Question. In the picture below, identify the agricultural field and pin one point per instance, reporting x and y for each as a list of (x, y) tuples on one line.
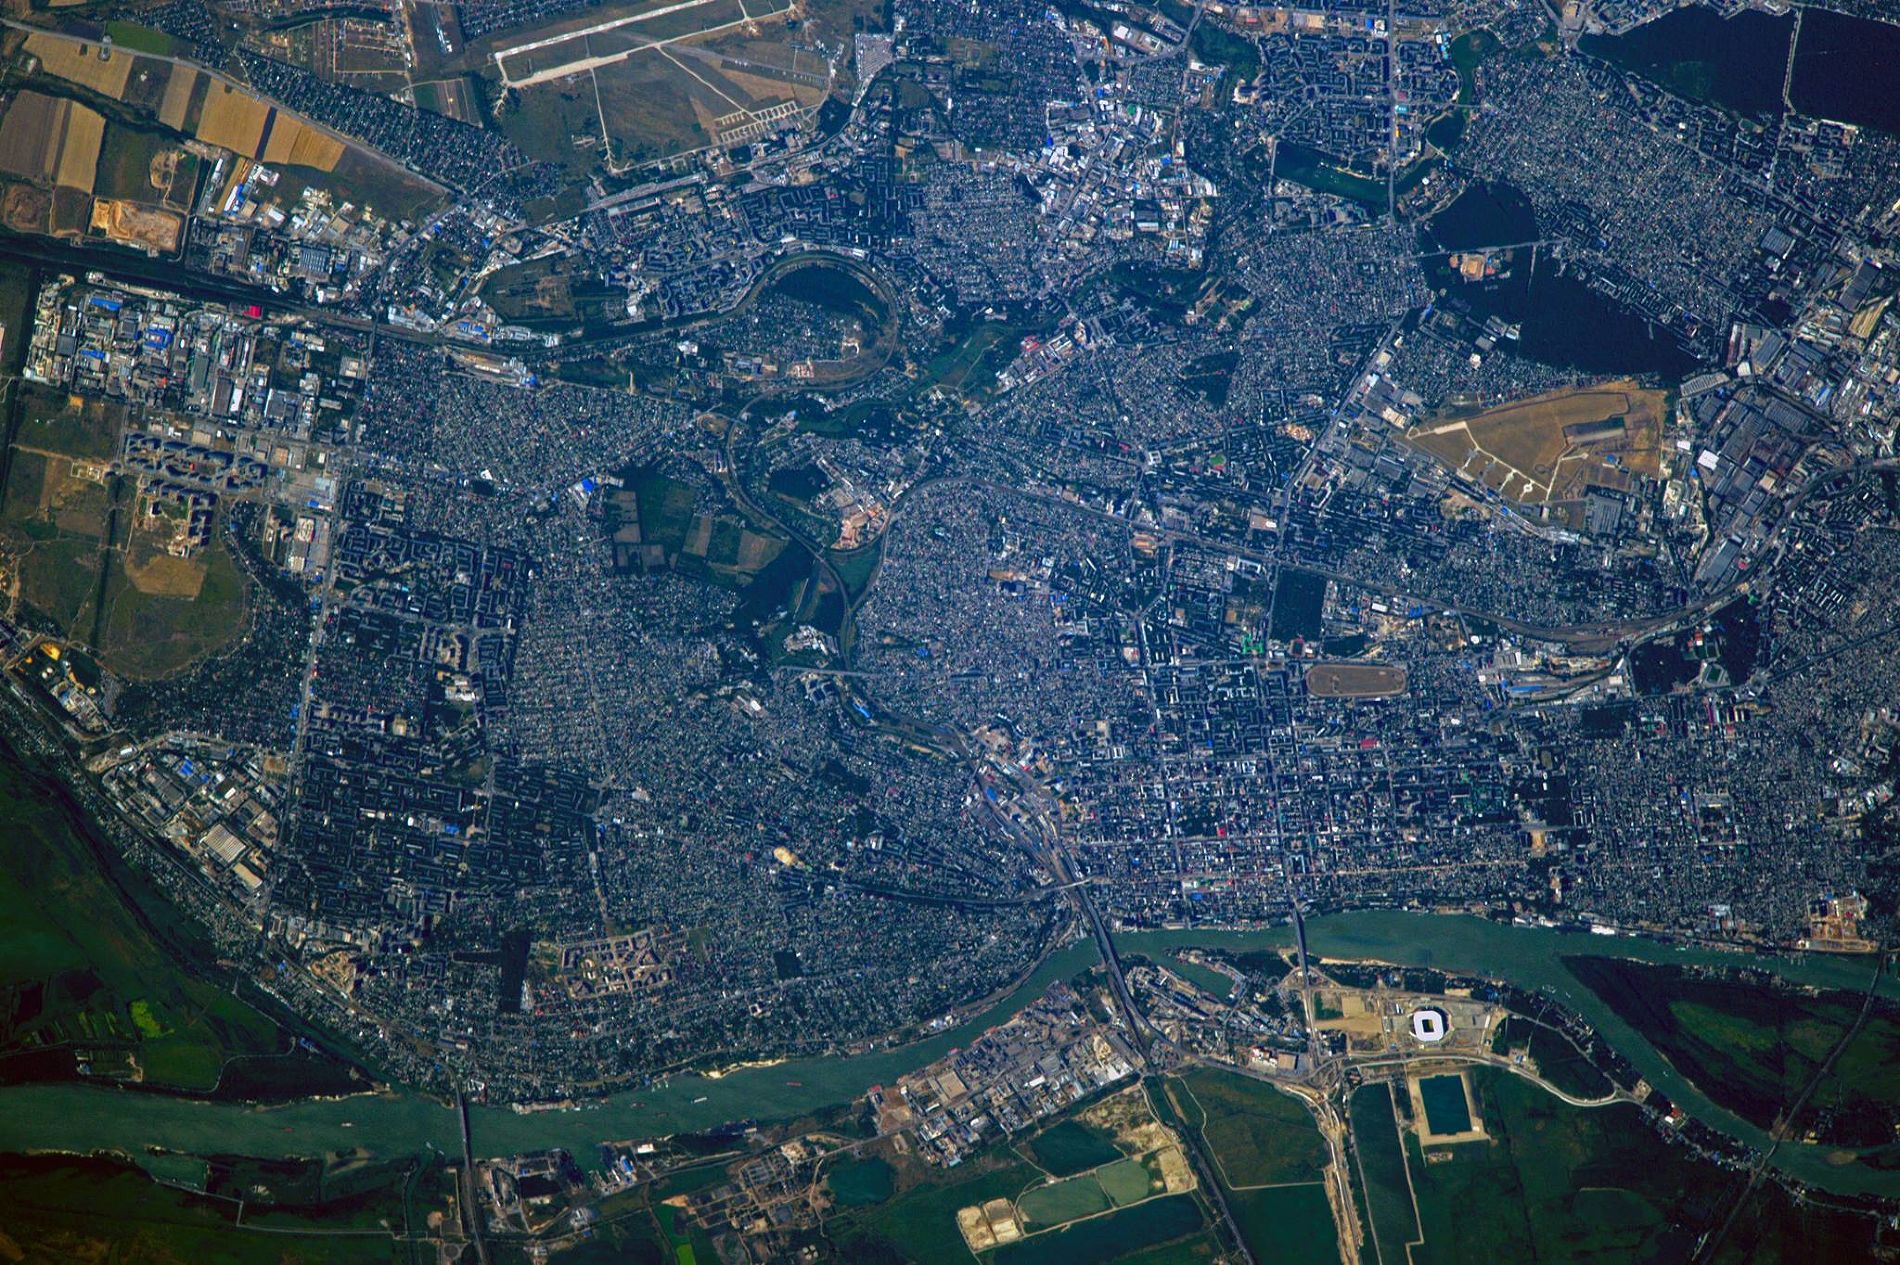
[(1553, 447), (1289, 1225), (79, 62), (919, 1223), (1114, 1237), (1751, 1048), (656, 521), (1391, 1218), (1355, 680), (1271, 1159), (192, 103), (1112, 1154), (232, 119), (1080, 1190), (51, 139), (1260, 1135)]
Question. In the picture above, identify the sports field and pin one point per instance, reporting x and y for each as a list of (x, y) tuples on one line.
[(1355, 680)]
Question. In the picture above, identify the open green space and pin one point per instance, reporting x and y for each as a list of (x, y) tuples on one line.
[(1196, 1250), (1260, 1135), (1205, 978), (18, 282), (1375, 1134), (140, 39), (1468, 52), (857, 567), (1288, 1225), (1558, 1060), (95, 559), (1753, 1047), (920, 1224), (689, 1242), (834, 287), (1568, 1184), (65, 1209), (1216, 46), (862, 1183), (1099, 1240), (1070, 1147), (155, 634), (976, 354), (53, 422), (1061, 1202), (1125, 1182), (103, 970), (125, 164)]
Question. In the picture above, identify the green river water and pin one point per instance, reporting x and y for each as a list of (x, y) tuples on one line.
[(77, 1117)]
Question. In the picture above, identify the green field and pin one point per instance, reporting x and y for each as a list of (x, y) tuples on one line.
[(1564, 1184), (63, 1209), (140, 39), (125, 164), (1520, 1197), (1125, 1182), (1468, 52), (862, 1183), (1260, 1135), (1287, 1225), (106, 970), (857, 567), (1099, 1240), (1071, 1147), (17, 286), (1062, 1202), (1558, 1061), (152, 634), (690, 1243), (1393, 1223), (49, 422), (920, 1224)]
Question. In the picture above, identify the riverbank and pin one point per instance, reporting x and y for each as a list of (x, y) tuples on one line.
[(86, 1117)]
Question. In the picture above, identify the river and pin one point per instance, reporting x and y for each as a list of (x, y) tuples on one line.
[(80, 1117)]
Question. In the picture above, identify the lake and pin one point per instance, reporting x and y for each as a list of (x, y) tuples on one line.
[(1695, 52), (1484, 215), (1846, 69), (1563, 321)]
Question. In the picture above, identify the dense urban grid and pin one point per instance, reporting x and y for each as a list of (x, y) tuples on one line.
[(1108, 467)]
